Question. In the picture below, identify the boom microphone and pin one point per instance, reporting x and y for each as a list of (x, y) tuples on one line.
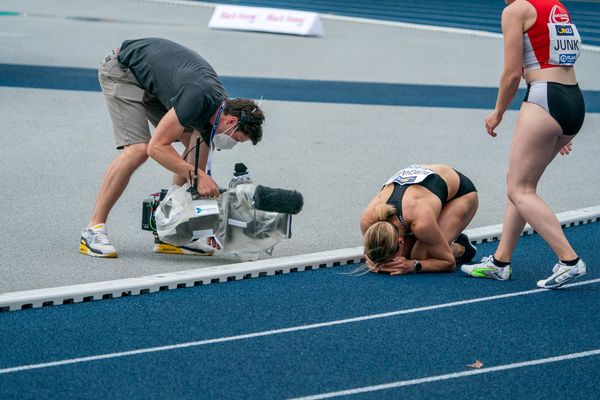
[(278, 200)]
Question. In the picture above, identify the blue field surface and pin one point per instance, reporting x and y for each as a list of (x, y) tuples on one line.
[(483, 15), (341, 92), (254, 338)]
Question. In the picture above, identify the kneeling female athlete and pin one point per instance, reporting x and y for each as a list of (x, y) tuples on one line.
[(415, 222)]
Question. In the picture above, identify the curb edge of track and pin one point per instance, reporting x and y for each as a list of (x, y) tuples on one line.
[(232, 272)]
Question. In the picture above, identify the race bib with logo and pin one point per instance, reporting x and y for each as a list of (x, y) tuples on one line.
[(565, 44), (410, 175)]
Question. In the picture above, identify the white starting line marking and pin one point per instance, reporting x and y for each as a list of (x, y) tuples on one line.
[(280, 331), (454, 375)]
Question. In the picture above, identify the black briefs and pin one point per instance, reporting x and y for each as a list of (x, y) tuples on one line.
[(465, 186), (436, 185), (563, 102)]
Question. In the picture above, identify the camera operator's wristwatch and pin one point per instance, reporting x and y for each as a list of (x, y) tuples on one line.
[(417, 267)]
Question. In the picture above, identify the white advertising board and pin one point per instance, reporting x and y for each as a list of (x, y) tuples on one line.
[(266, 20)]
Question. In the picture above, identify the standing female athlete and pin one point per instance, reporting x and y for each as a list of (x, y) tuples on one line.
[(541, 42)]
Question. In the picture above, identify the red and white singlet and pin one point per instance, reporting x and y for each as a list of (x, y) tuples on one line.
[(552, 41)]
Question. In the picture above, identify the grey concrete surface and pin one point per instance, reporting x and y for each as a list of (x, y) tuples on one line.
[(56, 144)]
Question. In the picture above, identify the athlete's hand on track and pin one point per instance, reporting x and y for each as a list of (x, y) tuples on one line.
[(566, 149), (491, 122), (396, 266)]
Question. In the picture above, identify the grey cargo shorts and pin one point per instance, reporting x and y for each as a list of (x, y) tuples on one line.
[(129, 105)]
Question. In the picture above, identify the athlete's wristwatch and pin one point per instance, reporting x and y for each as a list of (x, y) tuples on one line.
[(417, 267)]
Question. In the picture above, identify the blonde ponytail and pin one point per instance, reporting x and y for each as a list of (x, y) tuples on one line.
[(381, 239)]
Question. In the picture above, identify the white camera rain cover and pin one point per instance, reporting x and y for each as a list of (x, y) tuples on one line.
[(246, 231), (178, 215)]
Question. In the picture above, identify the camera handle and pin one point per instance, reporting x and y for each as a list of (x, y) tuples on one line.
[(193, 189)]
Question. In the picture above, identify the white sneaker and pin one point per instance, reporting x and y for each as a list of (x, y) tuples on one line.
[(563, 274), (195, 248), (487, 269), (95, 242)]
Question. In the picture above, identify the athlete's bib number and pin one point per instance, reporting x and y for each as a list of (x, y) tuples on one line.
[(565, 44), (411, 174)]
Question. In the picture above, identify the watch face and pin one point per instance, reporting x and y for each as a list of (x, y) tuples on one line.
[(418, 266)]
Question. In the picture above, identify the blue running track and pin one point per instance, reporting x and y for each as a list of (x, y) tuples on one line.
[(329, 332), (319, 332)]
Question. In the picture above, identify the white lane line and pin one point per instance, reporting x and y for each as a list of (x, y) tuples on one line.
[(278, 331), (454, 375)]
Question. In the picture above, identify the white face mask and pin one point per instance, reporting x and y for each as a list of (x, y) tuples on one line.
[(222, 141)]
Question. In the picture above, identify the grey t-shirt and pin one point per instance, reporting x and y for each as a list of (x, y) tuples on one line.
[(177, 76)]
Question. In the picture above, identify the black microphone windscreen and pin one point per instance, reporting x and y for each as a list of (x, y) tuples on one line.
[(278, 200)]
